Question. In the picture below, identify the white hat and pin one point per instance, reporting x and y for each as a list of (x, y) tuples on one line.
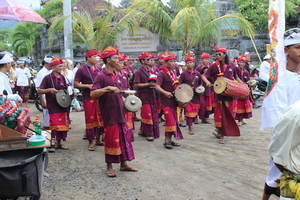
[(48, 59), (268, 56), (6, 58), (182, 63), (70, 61), (291, 36)]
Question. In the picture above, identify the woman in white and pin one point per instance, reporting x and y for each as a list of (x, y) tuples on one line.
[(69, 76)]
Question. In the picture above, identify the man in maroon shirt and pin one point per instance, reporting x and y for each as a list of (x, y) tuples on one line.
[(192, 78), (144, 81), (84, 79), (222, 68), (118, 147), (165, 85)]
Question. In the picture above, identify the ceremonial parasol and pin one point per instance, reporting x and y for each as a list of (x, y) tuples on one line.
[(17, 11)]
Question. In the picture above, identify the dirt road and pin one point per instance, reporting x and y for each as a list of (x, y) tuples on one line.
[(199, 169)]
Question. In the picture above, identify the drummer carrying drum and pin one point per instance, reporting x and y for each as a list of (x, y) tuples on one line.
[(193, 78), (51, 84), (222, 68), (165, 85)]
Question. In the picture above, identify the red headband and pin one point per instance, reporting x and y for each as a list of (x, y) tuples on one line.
[(109, 51), (221, 49), (205, 55), (56, 61), (91, 53)]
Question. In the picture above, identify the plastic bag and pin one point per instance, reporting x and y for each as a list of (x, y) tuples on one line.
[(76, 105)]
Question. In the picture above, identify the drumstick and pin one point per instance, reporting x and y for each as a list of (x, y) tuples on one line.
[(123, 91)]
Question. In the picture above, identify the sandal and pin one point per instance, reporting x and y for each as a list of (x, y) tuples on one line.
[(205, 122), (129, 169), (111, 174), (222, 141), (51, 150), (62, 147), (168, 145), (150, 139), (92, 148), (217, 135), (191, 132), (100, 144), (174, 144)]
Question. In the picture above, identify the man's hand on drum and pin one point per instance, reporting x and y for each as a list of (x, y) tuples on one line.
[(208, 84), (168, 94), (151, 83)]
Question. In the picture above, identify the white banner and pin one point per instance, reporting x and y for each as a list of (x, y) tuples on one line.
[(141, 40)]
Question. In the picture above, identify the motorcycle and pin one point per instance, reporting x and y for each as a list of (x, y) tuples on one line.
[(259, 88)]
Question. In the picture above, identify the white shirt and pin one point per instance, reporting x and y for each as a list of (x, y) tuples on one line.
[(5, 85), (285, 144), (22, 76), (70, 81), (40, 76), (264, 71), (285, 93)]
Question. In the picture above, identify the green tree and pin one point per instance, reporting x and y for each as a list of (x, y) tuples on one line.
[(95, 33), (23, 38), (256, 11), (189, 22)]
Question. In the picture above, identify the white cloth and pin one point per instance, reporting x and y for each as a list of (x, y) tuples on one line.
[(264, 71), (285, 93), (40, 76), (70, 81), (285, 144), (22, 76), (5, 85)]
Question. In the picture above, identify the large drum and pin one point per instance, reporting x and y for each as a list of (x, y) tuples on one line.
[(183, 94), (227, 87)]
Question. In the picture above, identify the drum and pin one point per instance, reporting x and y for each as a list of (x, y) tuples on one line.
[(183, 94), (200, 89), (227, 87), (252, 83)]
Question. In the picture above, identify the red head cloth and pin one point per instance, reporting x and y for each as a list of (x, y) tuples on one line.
[(152, 55), (121, 56), (247, 54), (189, 57), (169, 56), (91, 53), (221, 49), (144, 55), (160, 56), (241, 58), (99, 55), (128, 57), (204, 55), (109, 51), (56, 61)]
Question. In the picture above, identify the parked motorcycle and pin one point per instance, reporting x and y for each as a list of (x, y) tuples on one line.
[(259, 89)]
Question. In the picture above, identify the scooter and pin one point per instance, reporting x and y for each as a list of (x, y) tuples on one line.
[(259, 89)]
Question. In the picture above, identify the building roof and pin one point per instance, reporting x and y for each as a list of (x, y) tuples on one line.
[(90, 6)]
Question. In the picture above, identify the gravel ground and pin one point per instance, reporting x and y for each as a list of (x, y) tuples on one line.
[(199, 169)]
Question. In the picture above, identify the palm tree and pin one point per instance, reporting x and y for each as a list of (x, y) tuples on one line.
[(23, 38), (96, 33), (188, 22)]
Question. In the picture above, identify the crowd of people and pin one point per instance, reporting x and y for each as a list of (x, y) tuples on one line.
[(104, 77)]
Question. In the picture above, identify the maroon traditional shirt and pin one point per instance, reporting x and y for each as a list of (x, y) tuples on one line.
[(230, 73), (146, 94), (86, 75), (59, 83), (123, 83), (166, 83), (111, 105), (194, 80)]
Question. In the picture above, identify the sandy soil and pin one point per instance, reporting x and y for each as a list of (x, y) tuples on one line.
[(199, 169)]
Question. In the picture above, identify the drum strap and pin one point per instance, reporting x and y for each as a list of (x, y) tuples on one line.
[(143, 70)]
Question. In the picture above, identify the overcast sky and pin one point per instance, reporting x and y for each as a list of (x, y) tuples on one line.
[(35, 4)]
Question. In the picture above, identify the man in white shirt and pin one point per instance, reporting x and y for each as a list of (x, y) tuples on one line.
[(39, 78), (285, 93), (5, 65), (285, 152), (23, 81), (264, 69)]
